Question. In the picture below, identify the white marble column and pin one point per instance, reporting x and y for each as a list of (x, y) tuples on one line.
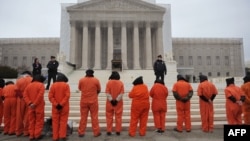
[(97, 46), (85, 46), (73, 43), (160, 49), (136, 50), (124, 46), (110, 45), (148, 46)]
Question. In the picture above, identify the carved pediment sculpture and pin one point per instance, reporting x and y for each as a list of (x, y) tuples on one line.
[(115, 5)]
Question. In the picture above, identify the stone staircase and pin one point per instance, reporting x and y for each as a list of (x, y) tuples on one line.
[(219, 117)]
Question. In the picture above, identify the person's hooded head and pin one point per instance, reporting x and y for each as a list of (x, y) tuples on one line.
[(2, 83), (202, 78), (230, 81), (38, 78), (180, 77), (114, 76), (61, 78), (246, 79), (89, 73), (138, 81), (26, 73), (9, 83), (159, 81)]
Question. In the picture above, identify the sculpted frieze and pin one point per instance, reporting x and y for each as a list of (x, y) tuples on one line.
[(117, 5)]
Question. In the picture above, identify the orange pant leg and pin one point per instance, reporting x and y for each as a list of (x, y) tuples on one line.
[(187, 116), (109, 116), (94, 118), (143, 121), (84, 117), (32, 121), (118, 116), (134, 118), (157, 119), (180, 116), (39, 121), (20, 116), (55, 123), (1, 113), (10, 115), (63, 122)]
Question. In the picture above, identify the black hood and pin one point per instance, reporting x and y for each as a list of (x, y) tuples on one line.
[(138, 80)]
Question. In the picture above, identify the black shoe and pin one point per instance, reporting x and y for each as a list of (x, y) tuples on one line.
[(39, 138), (81, 135), (97, 135), (162, 131), (158, 131), (62, 139), (11, 134), (175, 129), (109, 134), (118, 133)]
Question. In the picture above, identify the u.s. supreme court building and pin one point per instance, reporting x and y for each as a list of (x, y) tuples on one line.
[(125, 35)]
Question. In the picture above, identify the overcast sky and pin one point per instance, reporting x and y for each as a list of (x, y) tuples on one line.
[(190, 18)]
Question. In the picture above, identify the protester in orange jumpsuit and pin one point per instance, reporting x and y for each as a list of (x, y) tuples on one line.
[(234, 99), (34, 97), (139, 107), (9, 93), (2, 84), (59, 95), (90, 88), (206, 92), (22, 120), (246, 104), (114, 104), (159, 93), (182, 92)]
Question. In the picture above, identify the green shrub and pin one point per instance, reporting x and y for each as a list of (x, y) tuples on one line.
[(8, 72)]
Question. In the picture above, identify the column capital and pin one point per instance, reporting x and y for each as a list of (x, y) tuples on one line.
[(159, 23)]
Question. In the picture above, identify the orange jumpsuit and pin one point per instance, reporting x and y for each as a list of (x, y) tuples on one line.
[(233, 109), (59, 94), (1, 106), (114, 88), (246, 105), (9, 92), (89, 87), (159, 93), (139, 109), (22, 120), (183, 108), (34, 97), (207, 90)]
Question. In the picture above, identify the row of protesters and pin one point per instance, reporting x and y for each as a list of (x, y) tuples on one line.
[(114, 104), (183, 92), (22, 119), (9, 108), (159, 94), (207, 93), (34, 98), (90, 87), (246, 104), (234, 100), (2, 84), (139, 108), (59, 95)]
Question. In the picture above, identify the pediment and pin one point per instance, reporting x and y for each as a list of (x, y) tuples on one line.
[(115, 5)]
